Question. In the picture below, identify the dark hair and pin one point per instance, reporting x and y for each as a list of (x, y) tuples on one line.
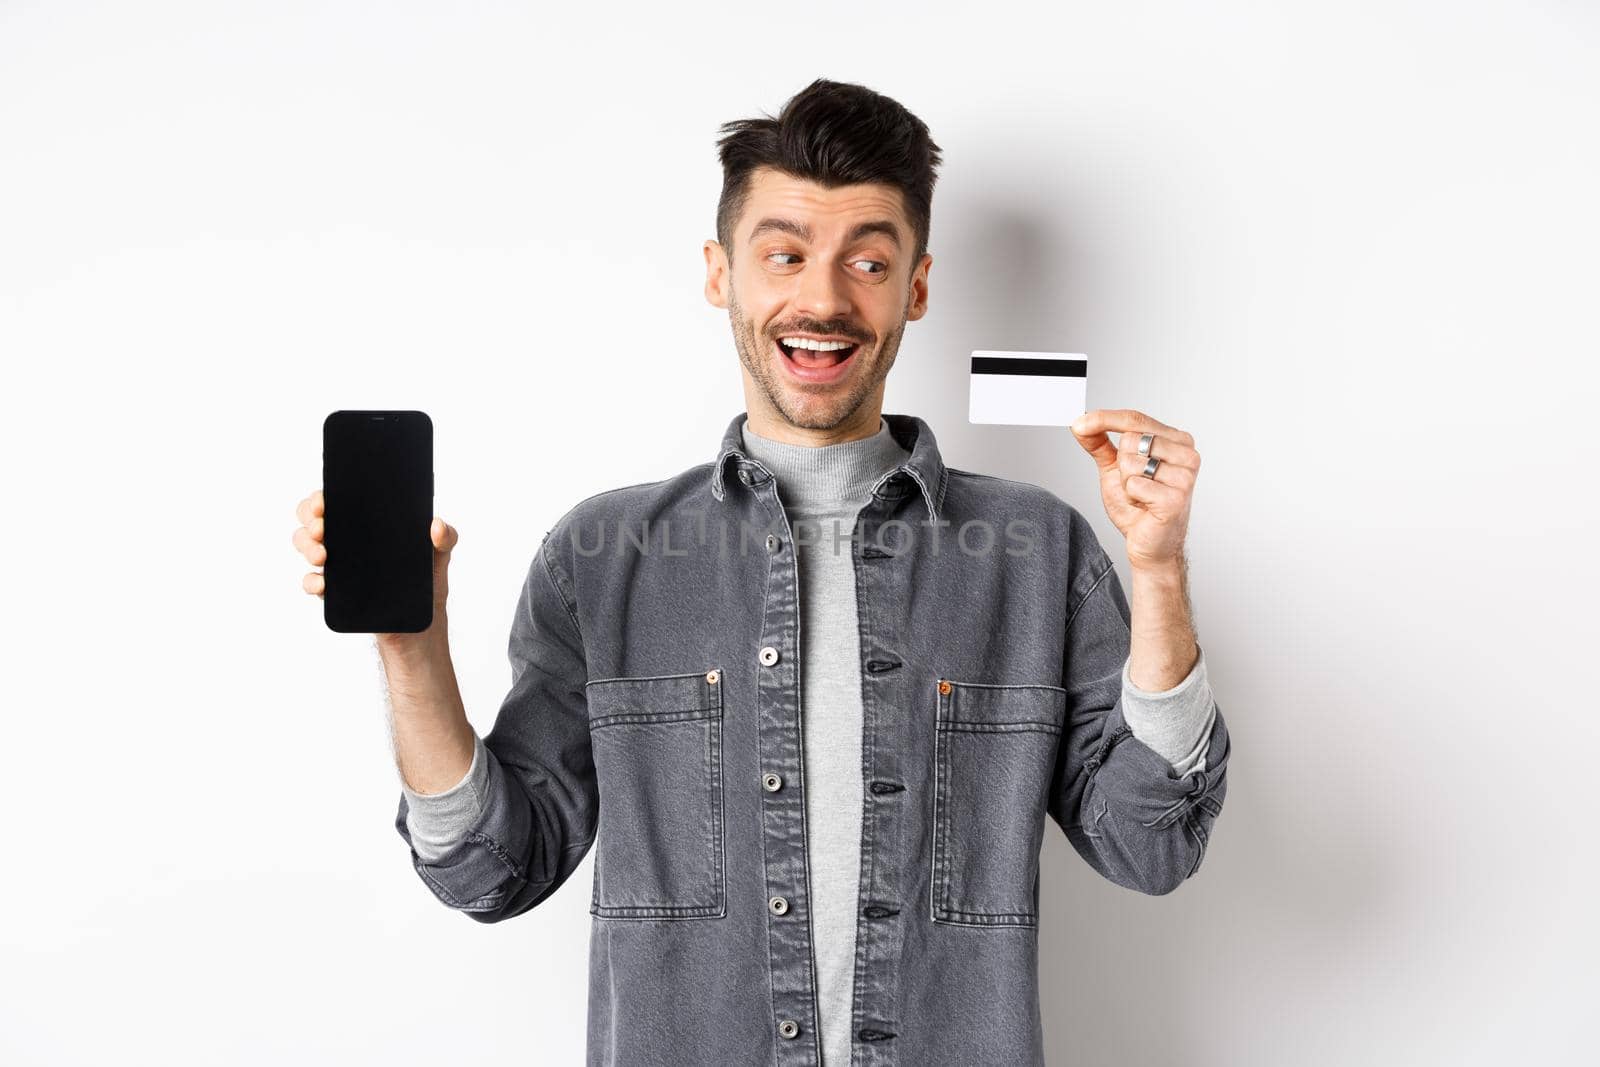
[(832, 133)]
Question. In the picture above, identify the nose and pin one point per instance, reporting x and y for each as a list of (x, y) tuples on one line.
[(821, 294)]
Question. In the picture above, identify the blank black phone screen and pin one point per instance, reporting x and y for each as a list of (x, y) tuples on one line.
[(377, 488)]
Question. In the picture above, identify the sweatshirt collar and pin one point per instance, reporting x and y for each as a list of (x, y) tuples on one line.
[(923, 471), (825, 477)]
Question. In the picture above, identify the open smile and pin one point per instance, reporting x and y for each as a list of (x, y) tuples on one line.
[(815, 360)]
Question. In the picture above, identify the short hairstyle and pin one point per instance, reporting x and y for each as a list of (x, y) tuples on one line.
[(832, 133)]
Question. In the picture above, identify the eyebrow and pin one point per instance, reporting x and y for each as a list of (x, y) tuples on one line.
[(803, 232)]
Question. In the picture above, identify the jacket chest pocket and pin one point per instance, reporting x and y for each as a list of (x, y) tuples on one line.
[(657, 746), (994, 753)]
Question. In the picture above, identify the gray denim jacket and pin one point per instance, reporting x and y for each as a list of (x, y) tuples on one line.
[(654, 714)]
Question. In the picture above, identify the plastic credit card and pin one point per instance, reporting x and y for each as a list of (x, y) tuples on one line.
[(1029, 388)]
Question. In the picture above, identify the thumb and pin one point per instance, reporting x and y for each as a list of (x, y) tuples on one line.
[(1097, 444), (444, 535), (444, 538)]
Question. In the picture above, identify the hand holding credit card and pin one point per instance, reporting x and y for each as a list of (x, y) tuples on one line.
[(1028, 388)]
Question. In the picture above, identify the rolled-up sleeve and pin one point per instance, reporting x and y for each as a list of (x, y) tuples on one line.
[(1125, 807), (533, 800), (1176, 722), (438, 821)]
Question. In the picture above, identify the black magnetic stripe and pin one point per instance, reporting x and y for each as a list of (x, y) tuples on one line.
[(1054, 368)]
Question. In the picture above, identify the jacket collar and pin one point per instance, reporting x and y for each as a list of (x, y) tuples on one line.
[(924, 467)]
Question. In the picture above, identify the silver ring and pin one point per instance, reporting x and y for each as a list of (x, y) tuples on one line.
[(1150, 467), (1145, 441)]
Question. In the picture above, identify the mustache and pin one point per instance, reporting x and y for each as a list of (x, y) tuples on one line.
[(830, 330)]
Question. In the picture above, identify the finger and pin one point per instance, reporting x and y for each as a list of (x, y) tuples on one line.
[(314, 584), (315, 552), (443, 534), (310, 507), (1167, 449), (1162, 501), (1127, 420), (313, 528), (1167, 472)]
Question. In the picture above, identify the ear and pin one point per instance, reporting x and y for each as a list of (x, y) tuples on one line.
[(717, 268), (918, 306)]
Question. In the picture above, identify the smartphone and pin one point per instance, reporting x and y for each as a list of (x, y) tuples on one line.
[(377, 490)]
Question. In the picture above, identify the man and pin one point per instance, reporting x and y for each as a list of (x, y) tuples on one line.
[(812, 700)]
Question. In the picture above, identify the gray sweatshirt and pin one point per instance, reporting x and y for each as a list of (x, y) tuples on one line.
[(822, 489)]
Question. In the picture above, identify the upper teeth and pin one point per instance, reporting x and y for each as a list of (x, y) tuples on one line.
[(817, 346)]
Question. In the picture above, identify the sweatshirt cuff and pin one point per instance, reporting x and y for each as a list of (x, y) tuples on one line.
[(439, 821), (1176, 723)]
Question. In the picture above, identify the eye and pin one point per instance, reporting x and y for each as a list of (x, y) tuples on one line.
[(771, 254), (877, 263)]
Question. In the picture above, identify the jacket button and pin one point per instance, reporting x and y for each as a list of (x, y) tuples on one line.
[(778, 905), (944, 687), (789, 1028), (769, 656), (773, 542), (771, 782), (711, 677)]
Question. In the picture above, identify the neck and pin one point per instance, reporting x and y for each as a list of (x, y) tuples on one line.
[(863, 422)]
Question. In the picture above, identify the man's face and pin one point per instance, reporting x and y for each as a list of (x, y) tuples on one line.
[(831, 265)]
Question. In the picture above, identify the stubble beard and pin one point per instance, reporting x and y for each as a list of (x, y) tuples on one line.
[(798, 407)]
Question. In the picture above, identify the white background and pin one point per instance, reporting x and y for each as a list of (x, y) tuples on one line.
[(1351, 247)]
